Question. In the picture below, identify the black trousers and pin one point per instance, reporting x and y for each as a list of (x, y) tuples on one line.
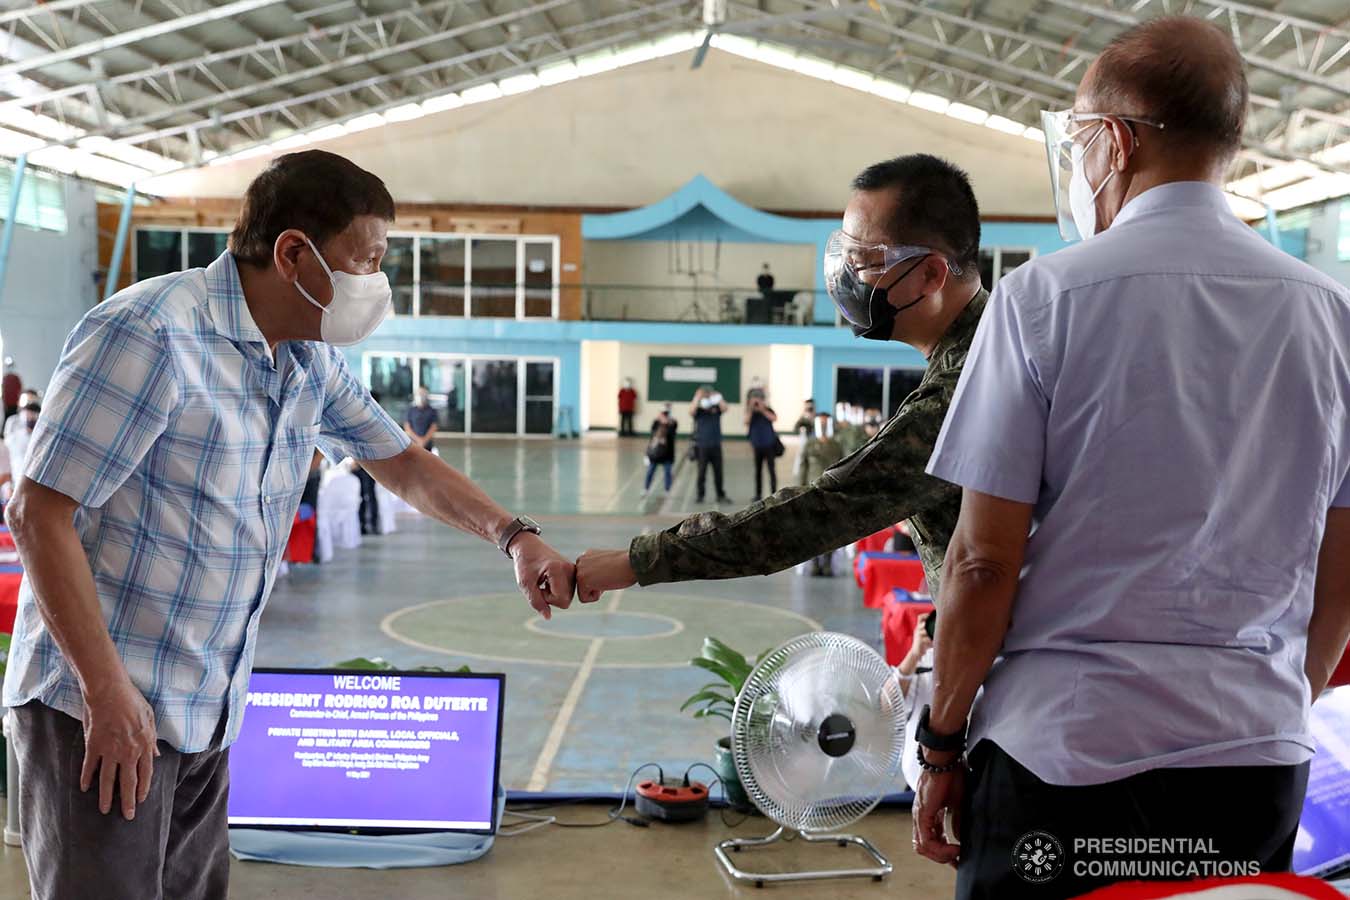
[(1247, 815), (710, 456), (626, 424), (765, 458), (369, 511)]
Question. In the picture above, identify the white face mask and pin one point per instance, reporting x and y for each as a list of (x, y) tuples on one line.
[(1082, 197), (360, 303)]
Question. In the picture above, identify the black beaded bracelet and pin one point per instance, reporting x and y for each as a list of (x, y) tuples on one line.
[(939, 770)]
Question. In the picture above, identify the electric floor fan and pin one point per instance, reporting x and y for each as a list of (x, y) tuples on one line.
[(817, 736)]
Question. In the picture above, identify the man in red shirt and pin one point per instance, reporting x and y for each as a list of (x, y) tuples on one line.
[(10, 388), (627, 407)]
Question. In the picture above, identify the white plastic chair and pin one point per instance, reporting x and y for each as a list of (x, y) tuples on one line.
[(390, 506), (339, 513)]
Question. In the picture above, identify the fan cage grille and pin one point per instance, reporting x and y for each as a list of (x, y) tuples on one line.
[(750, 733)]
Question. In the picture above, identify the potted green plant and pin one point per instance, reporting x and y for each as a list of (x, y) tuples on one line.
[(718, 699)]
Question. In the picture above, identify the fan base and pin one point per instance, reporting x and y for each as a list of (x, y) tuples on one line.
[(882, 868)]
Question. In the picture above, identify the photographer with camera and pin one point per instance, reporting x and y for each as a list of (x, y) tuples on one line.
[(759, 421), (707, 410)]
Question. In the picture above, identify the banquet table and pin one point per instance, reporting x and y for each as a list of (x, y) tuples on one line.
[(880, 573)]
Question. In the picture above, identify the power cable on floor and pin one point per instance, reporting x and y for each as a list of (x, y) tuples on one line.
[(540, 821)]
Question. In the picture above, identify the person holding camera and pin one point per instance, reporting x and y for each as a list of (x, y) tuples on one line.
[(707, 410), (661, 449), (916, 681), (759, 421)]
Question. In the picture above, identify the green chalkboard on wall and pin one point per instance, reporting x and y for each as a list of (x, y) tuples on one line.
[(676, 378)]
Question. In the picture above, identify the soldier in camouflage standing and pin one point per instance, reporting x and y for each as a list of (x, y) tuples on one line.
[(903, 268), (821, 451)]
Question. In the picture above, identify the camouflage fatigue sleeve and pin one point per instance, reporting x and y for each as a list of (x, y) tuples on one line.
[(879, 485)]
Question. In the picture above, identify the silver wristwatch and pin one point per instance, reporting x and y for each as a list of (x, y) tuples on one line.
[(517, 525)]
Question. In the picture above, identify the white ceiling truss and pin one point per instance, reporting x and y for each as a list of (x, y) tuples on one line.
[(152, 85)]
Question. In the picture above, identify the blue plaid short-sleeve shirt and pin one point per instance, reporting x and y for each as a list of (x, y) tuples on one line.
[(187, 445)]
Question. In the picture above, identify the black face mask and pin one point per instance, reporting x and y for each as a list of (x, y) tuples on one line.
[(882, 314)]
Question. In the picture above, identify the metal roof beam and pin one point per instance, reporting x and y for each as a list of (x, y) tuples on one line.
[(1256, 61), (647, 30), (1252, 149), (49, 8), (314, 96), (146, 32), (861, 46), (216, 99), (941, 45), (201, 62)]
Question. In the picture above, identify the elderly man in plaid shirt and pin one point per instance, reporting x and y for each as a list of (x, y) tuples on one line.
[(161, 484)]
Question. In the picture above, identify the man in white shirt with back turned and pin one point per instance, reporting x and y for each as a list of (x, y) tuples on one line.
[(1150, 575)]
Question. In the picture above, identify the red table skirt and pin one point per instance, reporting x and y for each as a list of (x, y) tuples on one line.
[(875, 543), (300, 546), (1342, 673), (879, 577), (9, 600), (899, 619)]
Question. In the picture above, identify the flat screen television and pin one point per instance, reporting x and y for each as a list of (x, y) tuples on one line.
[(1322, 847), (368, 752)]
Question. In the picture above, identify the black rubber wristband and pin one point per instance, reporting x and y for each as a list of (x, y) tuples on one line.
[(943, 743)]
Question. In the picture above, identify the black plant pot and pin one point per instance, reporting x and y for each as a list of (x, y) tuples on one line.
[(725, 764)]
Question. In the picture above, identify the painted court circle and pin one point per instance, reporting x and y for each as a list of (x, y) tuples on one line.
[(649, 629)]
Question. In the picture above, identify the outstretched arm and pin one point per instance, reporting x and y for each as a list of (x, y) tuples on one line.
[(879, 485), (444, 493)]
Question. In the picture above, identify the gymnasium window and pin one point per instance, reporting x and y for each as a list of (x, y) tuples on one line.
[(995, 262), (475, 276), (882, 388), (159, 250), (42, 200), (455, 275), (471, 394)]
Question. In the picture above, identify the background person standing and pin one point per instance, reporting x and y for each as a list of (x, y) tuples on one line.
[(420, 421), (628, 400), (11, 386), (661, 448), (759, 420), (707, 410), (820, 451), (765, 282)]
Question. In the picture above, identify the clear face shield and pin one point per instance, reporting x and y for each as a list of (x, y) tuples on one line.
[(853, 272), (1068, 136)]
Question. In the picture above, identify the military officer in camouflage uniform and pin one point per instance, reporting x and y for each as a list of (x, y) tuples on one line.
[(902, 268), (822, 450)]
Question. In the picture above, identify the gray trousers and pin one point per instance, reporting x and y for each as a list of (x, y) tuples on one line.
[(177, 848)]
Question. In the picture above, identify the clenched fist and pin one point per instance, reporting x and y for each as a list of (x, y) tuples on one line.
[(543, 575), (603, 570)]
